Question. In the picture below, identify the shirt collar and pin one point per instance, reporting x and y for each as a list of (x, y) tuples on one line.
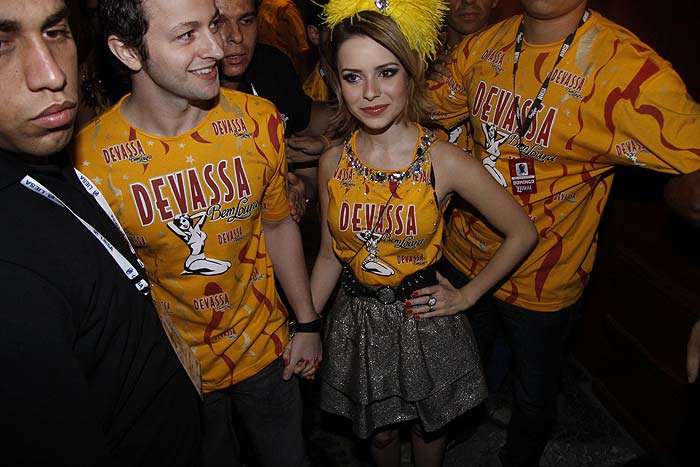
[(13, 168)]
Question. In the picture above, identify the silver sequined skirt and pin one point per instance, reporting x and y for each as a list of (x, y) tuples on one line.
[(382, 366)]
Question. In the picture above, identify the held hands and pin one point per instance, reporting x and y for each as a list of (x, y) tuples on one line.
[(302, 355), (693, 356), (438, 300)]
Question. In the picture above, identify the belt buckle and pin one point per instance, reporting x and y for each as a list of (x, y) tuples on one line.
[(386, 295)]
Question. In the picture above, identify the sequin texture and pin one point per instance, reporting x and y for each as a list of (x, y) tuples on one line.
[(382, 366), (380, 176)]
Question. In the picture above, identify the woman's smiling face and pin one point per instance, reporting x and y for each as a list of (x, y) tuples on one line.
[(373, 82)]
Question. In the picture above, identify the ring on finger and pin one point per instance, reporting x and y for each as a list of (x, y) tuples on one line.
[(432, 302), (430, 308)]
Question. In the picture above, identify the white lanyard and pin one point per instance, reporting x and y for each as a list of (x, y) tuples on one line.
[(127, 268)]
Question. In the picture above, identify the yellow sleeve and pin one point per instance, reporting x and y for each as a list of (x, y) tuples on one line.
[(275, 200), (449, 98), (663, 118)]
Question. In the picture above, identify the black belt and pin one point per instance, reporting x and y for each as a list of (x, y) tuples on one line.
[(387, 294)]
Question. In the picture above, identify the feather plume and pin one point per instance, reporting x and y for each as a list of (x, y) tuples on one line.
[(420, 21)]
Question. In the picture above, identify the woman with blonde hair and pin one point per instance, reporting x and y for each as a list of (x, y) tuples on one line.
[(397, 350)]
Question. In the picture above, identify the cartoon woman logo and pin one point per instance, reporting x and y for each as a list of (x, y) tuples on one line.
[(189, 229), (493, 138), (371, 263), (454, 134)]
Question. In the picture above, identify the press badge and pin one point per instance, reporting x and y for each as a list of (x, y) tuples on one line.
[(522, 176)]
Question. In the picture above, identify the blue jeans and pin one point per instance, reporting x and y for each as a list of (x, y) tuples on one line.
[(270, 410), (537, 341)]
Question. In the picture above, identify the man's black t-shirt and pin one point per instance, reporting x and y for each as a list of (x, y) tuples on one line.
[(88, 375), (271, 75)]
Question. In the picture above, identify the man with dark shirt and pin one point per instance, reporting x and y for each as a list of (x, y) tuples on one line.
[(271, 75), (89, 377), (260, 69), (264, 71)]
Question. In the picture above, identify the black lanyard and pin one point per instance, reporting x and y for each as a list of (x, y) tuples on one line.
[(524, 126)]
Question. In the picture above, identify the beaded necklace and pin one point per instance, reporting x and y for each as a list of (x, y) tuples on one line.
[(380, 176), (395, 178)]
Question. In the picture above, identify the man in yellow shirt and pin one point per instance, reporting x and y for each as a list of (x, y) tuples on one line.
[(196, 175), (556, 98), (464, 17), (316, 85)]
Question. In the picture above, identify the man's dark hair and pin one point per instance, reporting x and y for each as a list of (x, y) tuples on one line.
[(126, 20)]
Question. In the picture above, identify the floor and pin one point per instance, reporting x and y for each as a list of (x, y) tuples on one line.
[(586, 435)]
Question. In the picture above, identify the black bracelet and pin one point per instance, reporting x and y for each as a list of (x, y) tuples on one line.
[(312, 326)]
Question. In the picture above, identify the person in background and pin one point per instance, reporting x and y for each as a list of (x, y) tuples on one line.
[(101, 85), (467, 17), (316, 85), (557, 97), (89, 377), (281, 26), (464, 17), (264, 71), (398, 353), (196, 175)]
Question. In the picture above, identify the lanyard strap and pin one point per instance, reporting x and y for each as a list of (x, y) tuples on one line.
[(131, 272), (524, 126)]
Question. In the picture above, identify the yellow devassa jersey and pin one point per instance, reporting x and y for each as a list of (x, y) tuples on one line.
[(611, 101), (193, 207), (384, 238), (459, 131), (315, 86)]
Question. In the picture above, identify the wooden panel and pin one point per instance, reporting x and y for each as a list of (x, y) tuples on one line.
[(641, 302)]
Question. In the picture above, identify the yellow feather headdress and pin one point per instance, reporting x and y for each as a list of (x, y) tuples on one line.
[(420, 21)]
